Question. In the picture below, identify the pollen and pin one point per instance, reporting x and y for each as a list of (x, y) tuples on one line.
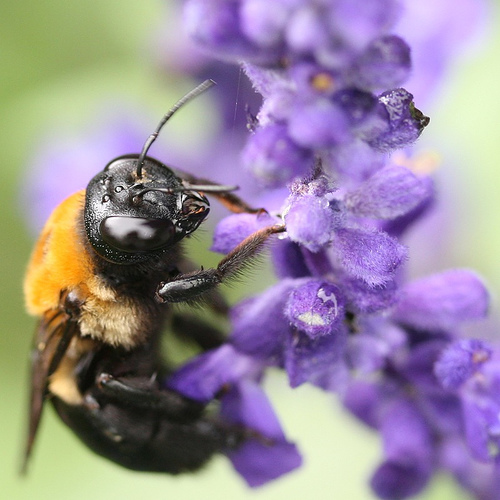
[(312, 319), (323, 82)]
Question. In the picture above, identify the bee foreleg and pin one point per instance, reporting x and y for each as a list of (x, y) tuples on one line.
[(188, 287)]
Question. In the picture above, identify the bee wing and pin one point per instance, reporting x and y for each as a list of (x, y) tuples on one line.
[(52, 338)]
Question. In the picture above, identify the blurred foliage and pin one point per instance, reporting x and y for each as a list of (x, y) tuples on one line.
[(59, 61)]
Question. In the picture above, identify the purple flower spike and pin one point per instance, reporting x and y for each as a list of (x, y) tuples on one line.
[(390, 193), (236, 227), (404, 121), (370, 255), (264, 457), (203, 377), (316, 308), (443, 300), (273, 158), (460, 361), (384, 64)]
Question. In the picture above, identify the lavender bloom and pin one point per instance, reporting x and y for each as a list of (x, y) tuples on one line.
[(268, 455), (330, 74)]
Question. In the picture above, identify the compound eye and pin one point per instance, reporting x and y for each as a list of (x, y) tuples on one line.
[(136, 234), (195, 205)]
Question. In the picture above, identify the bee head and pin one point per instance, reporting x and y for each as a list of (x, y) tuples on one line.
[(128, 217)]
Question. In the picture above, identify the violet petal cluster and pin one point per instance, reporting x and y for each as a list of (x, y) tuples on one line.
[(342, 316)]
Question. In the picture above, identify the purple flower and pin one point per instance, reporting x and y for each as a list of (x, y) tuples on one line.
[(234, 229), (385, 63), (369, 255), (318, 124), (460, 361), (267, 455), (408, 453), (389, 193), (310, 221), (315, 308), (443, 300), (404, 122)]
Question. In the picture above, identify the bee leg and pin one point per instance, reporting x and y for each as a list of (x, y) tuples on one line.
[(190, 327), (166, 402), (177, 409), (188, 287)]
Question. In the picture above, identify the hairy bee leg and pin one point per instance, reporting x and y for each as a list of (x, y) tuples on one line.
[(186, 326), (165, 402), (187, 287)]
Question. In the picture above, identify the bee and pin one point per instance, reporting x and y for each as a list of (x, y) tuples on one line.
[(102, 277)]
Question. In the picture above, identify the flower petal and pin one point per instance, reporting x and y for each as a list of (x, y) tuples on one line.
[(204, 376), (391, 192), (259, 324), (404, 121), (313, 360), (315, 307), (370, 255), (273, 158), (258, 460), (443, 300), (460, 360), (310, 221), (233, 229)]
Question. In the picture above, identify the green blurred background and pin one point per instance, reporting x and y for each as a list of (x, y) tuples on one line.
[(59, 61)]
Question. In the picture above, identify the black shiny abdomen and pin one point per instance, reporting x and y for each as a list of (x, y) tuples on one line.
[(143, 441), (152, 429)]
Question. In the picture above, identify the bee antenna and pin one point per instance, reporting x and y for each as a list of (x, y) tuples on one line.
[(206, 188), (202, 87)]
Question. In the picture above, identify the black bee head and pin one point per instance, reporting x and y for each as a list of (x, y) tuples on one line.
[(130, 215)]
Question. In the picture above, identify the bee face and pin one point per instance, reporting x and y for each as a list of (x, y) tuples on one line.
[(128, 218)]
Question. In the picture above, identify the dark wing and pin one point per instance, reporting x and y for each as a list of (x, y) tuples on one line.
[(52, 338)]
